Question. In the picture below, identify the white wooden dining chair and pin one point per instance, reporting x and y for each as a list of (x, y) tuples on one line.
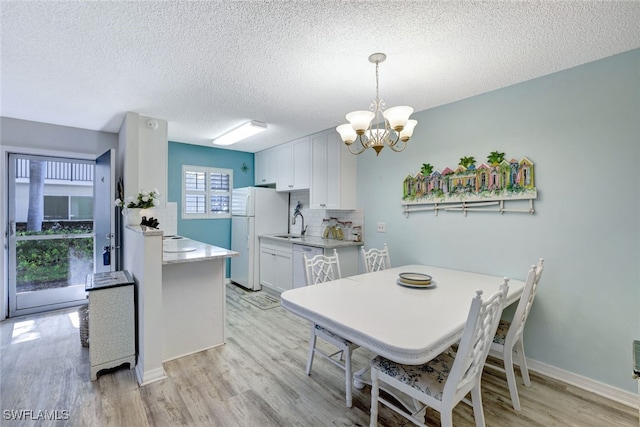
[(376, 259), (321, 269), (445, 380), (508, 339)]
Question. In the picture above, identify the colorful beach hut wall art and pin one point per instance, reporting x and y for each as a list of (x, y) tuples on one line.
[(470, 187)]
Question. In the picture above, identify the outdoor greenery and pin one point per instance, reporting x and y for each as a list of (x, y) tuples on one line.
[(52, 260)]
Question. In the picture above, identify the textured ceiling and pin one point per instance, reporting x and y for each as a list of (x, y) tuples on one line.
[(300, 66)]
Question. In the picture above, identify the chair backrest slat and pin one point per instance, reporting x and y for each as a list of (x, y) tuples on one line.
[(321, 268), (476, 340), (376, 259), (526, 301)]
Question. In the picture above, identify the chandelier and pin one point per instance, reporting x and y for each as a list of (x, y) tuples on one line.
[(377, 127)]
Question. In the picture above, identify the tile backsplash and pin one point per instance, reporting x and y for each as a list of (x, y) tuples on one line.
[(313, 217), (168, 218)]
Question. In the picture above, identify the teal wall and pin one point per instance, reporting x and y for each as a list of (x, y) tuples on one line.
[(581, 128), (212, 231)]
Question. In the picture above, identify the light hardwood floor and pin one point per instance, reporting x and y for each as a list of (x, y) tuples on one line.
[(256, 379)]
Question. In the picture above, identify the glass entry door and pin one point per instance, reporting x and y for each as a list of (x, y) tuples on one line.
[(51, 248)]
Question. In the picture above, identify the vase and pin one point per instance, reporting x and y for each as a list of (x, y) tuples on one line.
[(133, 216)]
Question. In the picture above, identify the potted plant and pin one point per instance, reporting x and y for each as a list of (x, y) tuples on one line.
[(132, 206)]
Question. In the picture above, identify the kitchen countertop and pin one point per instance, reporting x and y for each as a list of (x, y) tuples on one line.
[(316, 241), (187, 250), (144, 230)]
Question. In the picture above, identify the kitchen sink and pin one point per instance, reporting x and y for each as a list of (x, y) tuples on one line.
[(288, 236)]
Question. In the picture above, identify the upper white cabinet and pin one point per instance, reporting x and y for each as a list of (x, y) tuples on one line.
[(333, 173), (293, 161), (265, 165)]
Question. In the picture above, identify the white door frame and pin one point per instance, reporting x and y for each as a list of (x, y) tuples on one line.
[(21, 303), (4, 161), (5, 150)]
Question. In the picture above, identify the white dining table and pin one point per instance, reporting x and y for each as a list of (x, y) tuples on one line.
[(404, 324)]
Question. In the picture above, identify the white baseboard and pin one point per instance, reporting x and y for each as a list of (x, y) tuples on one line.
[(601, 389), (148, 377)]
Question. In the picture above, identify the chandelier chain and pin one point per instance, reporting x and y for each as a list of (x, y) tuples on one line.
[(377, 96)]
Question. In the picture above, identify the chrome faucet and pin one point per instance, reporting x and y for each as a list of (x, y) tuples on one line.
[(297, 213)]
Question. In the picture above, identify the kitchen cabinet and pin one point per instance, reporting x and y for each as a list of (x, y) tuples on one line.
[(111, 321), (265, 167), (275, 248), (275, 266), (333, 173), (293, 162)]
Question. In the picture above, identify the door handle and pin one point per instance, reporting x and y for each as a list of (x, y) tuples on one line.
[(248, 223)]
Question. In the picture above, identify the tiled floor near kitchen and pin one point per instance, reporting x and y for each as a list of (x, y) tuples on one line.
[(256, 379)]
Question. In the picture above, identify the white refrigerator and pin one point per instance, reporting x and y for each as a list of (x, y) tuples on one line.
[(255, 211)]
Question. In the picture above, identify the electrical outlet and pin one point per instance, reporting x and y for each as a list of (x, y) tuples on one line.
[(382, 227)]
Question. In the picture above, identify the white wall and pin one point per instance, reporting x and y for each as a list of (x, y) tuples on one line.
[(21, 136), (581, 127), (143, 143)]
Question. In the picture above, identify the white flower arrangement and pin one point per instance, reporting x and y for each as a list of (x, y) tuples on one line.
[(144, 200)]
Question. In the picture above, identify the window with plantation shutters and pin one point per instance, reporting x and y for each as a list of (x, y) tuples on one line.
[(220, 196), (206, 192)]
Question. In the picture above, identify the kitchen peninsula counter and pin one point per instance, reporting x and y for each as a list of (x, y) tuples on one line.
[(182, 250), (180, 297), (193, 296)]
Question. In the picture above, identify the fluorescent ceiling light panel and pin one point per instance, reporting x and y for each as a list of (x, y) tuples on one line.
[(246, 130)]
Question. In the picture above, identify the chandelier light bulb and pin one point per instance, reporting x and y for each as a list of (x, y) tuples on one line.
[(407, 132), (397, 116), (360, 120), (347, 133)]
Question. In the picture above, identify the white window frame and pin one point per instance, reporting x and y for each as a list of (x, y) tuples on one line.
[(207, 192)]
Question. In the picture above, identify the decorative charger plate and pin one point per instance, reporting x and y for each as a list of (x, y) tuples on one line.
[(410, 285), (415, 279)]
